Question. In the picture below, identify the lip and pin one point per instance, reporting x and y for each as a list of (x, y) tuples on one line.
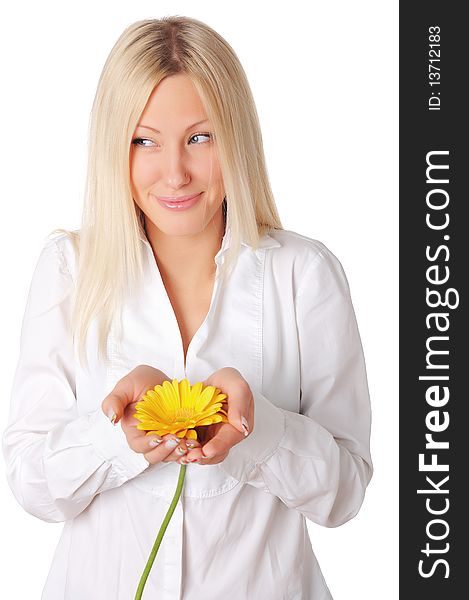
[(179, 202)]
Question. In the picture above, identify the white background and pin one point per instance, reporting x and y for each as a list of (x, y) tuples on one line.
[(324, 77)]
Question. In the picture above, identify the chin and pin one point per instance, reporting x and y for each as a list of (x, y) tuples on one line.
[(180, 226), (182, 223)]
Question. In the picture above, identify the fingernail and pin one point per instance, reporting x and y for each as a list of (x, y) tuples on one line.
[(245, 426), (112, 416), (180, 450), (192, 459), (190, 444), (171, 443), (154, 442)]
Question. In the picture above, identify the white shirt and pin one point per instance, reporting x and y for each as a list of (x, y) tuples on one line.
[(285, 320)]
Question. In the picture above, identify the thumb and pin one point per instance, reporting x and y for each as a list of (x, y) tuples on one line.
[(233, 412), (113, 406), (225, 438), (237, 419)]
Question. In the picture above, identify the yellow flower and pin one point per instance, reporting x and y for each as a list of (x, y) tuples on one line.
[(178, 408)]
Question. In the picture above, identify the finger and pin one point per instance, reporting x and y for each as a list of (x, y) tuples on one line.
[(144, 443), (222, 377), (240, 408), (129, 420), (192, 444), (122, 395), (214, 460), (130, 389), (239, 401), (194, 452), (114, 404), (178, 451), (194, 455), (226, 437), (164, 451)]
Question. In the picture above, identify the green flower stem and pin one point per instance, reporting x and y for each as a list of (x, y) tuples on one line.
[(161, 532)]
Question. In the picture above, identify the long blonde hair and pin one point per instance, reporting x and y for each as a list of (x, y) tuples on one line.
[(109, 244)]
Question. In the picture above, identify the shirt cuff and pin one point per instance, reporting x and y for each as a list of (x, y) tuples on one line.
[(269, 428), (111, 444)]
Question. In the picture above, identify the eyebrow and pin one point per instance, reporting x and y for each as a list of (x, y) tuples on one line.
[(187, 128)]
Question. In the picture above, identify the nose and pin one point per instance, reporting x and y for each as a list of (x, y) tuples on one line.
[(176, 172)]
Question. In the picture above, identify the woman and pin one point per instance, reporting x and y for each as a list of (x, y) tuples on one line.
[(181, 269)]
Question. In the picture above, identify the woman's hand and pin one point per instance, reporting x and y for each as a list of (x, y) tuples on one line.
[(122, 401), (219, 438)]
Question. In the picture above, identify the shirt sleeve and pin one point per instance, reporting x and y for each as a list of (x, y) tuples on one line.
[(318, 460), (56, 459)]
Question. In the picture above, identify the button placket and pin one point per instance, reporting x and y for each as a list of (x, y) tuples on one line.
[(201, 332)]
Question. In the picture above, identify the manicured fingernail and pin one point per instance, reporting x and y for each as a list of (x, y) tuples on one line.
[(191, 460), (154, 442), (190, 444), (171, 443), (180, 450), (112, 416), (245, 426)]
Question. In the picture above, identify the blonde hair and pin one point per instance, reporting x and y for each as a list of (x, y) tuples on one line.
[(110, 257)]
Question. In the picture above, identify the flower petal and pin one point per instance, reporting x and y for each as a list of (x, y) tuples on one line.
[(207, 421), (195, 392), (205, 398), (154, 401), (170, 397), (184, 393)]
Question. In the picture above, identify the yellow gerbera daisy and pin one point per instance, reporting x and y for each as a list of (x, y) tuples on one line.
[(178, 408)]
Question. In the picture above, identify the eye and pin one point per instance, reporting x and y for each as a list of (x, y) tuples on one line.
[(199, 137), (142, 142)]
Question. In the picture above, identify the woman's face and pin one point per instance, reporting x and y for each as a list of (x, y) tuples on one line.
[(173, 156)]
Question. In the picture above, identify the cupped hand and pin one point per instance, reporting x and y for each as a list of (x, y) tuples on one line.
[(219, 438), (122, 401)]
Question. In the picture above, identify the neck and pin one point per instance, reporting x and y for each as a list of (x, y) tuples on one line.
[(187, 258)]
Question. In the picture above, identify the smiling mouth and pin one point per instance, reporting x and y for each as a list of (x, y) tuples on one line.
[(178, 203), (178, 199)]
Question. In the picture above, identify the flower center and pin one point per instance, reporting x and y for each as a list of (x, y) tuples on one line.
[(183, 415)]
